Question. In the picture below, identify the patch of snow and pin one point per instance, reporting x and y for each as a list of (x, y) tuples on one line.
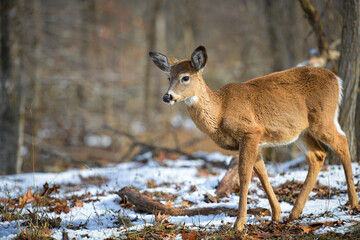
[(284, 167), (99, 216), (302, 64), (214, 157)]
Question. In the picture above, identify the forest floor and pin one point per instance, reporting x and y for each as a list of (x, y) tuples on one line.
[(85, 203)]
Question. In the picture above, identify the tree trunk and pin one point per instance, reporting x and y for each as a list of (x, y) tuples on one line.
[(275, 13), (37, 70), (349, 71), (5, 56), (12, 104), (357, 125), (151, 38)]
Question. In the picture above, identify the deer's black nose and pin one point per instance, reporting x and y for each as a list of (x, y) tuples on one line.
[(167, 97)]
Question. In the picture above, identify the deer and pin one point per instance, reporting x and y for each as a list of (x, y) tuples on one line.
[(299, 105)]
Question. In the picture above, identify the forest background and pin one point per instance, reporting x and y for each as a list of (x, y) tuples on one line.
[(78, 88)]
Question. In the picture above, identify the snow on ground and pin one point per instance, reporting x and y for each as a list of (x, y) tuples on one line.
[(98, 217)]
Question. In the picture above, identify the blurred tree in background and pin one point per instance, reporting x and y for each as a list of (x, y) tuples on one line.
[(349, 71), (70, 67)]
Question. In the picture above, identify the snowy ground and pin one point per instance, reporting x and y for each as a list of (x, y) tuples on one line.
[(96, 218)]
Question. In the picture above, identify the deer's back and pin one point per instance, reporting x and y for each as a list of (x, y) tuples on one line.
[(280, 103)]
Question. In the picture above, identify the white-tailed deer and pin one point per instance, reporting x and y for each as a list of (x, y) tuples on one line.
[(298, 105)]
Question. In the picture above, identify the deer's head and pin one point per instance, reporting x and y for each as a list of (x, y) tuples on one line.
[(185, 76)]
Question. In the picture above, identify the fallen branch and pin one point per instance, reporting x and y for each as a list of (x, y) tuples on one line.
[(231, 178), (145, 204)]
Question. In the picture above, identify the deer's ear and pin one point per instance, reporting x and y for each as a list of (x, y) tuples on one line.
[(163, 62), (199, 58)]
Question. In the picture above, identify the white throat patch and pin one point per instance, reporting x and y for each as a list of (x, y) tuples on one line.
[(190, 100)]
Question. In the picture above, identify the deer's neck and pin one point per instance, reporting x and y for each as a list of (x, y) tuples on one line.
[(205, 110)]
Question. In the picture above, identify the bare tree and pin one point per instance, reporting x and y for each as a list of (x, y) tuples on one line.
[(12, 101), (349, 71), (275, 13), (152, 37), (37, 69)]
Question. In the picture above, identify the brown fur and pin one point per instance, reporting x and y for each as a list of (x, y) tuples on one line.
[(280, 108)]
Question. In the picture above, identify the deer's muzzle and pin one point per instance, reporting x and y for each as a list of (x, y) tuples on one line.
[(167, 98)]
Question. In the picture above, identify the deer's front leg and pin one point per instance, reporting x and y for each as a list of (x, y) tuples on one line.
[(249, 147)]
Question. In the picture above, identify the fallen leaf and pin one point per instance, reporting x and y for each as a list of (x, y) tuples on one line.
[(259, 211), (306, 229), (27, 198), (316, 225), (48, 190), (169, 203), (151, 184), (60, 207), (187, 203), (161, 156), (210, 199), (101, 194), (161, 218), (189, 236), (44, 232), (79, 204), (193, 188)]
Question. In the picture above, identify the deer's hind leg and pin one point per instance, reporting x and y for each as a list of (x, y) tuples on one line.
[(335, 138), (315, 156)]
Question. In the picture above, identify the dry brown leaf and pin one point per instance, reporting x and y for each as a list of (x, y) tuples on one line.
[(27, 198), (210, 199), (45, 232), (189, 236), (60, 207), (193, 188), (161, 218), (169, 203), (47, 191), (187, 203), (316, 225), (262, 235), (259, 211), (79, 204), (101, 194), (236, 188), (161, 156), (306, 229), (150, 184)]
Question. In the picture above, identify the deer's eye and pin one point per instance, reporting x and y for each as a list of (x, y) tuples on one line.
[(185, 78)]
